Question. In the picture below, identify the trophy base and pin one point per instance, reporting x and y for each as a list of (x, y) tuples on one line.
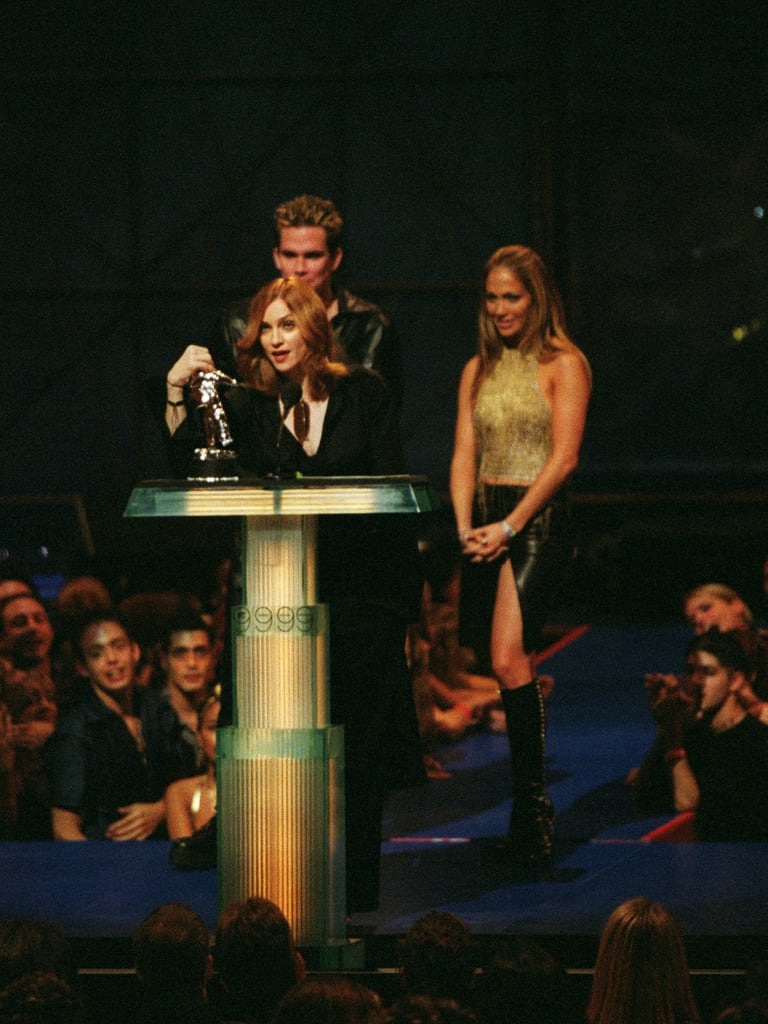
[(212, 464)]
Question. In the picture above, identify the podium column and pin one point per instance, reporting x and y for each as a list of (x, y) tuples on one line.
[(280, 764)]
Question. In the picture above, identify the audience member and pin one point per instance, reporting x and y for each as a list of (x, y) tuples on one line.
[(750, 1004), (716, 606), (188, 662), (641, 972), (671, 697), (329, 1000), (438, 957), (79, 598), (77, 601), (720, 769), (28, 712), (749, 1011), (171, 952), (429, 1010), (114, 753), (756, 983), (147, 617), (28, 716), (27, 945), (256, 959), (41, 998), (26, 634), (13, 586), (523, 983), (190, 803)]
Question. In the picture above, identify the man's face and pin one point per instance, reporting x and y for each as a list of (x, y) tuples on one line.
[(109, 657), (713, 680), (303, 252), (189, 661), (27, 634)]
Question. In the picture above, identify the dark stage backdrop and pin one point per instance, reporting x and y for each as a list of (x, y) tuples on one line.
[(144, 148)]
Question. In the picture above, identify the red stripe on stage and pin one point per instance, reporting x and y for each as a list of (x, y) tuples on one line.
[(679, 830), (558, 645)]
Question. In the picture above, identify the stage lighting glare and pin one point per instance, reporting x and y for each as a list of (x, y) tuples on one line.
[(742, 331)]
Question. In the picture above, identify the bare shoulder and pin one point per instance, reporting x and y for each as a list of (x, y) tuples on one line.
[(471, 368), (570, 365), (470, 371)]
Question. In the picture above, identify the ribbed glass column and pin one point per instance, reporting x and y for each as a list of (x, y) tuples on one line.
[(280, 765), (282, 810)]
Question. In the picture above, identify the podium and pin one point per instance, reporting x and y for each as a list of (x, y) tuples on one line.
[(280, 764)]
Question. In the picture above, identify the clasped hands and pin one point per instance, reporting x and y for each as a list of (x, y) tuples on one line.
[(485, 543)]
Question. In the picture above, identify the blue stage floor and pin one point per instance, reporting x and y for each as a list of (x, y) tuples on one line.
[(599, 727), (439, 852)]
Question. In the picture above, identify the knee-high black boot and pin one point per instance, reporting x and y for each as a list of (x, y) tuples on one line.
[(530, 823)]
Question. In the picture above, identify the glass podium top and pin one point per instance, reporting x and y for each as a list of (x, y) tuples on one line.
[(319, 495)]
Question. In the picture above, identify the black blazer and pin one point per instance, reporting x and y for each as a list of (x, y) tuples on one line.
[(366, 564), (360, 432)]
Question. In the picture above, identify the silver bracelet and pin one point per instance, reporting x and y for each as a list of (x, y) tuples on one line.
[(508, 531)]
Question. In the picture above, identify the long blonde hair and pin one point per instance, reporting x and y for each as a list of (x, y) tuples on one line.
[(641, 972), (324, 360)]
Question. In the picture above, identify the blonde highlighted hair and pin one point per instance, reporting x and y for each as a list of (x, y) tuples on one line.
[(724, 593)]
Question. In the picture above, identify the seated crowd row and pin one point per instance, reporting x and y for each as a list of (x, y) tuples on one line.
[(99, 737), (251, 972), (103, 737)]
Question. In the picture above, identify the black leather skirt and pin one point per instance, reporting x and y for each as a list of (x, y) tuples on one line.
[(540, 554)]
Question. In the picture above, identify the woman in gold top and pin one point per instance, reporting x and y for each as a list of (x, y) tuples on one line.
[(521, 411)]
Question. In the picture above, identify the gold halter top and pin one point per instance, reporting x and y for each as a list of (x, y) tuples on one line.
[(512, 421)]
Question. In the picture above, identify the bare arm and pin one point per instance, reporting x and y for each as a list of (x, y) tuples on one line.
[(178, 815), (193, 359), (685, 789), (67, 825), (464, 461)]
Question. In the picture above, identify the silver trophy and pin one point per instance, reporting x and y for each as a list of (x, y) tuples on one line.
[(218, 460)]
